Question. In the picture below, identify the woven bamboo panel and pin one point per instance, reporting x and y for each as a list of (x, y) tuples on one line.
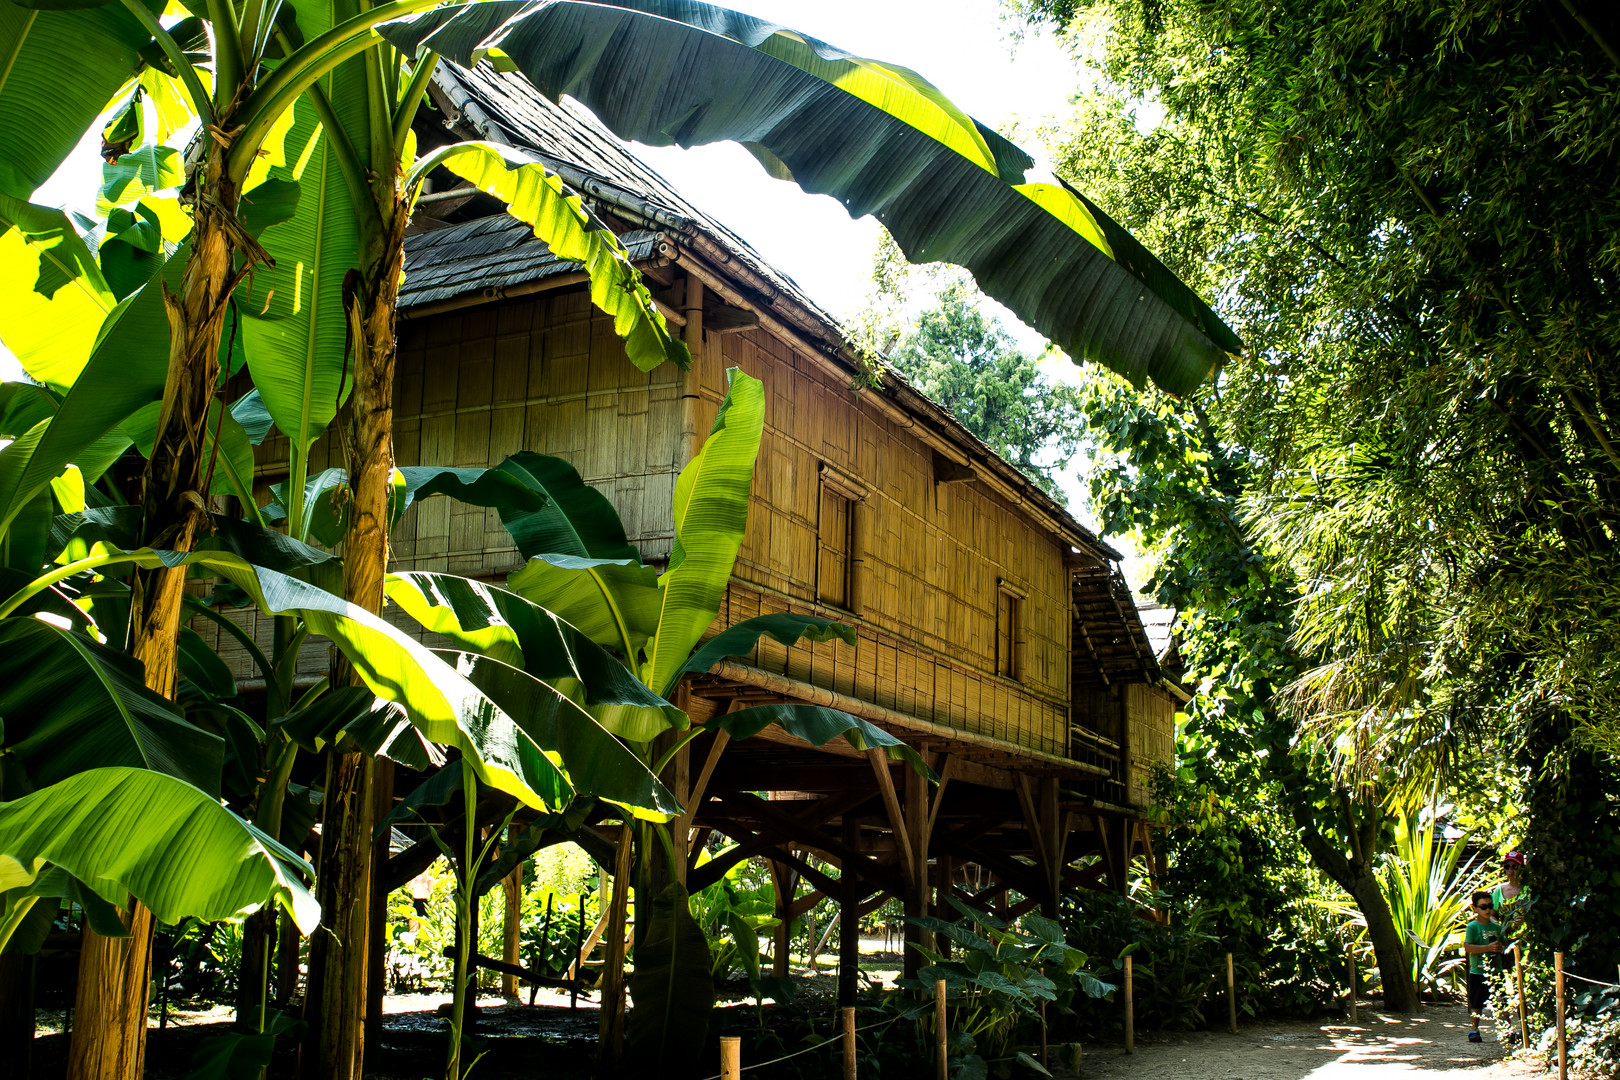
[(1151, 720), (547, 374)]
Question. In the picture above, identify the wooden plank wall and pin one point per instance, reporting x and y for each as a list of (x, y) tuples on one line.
[(547, 374)]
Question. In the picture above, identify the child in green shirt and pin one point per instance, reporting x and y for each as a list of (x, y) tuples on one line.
[(1482, 937)]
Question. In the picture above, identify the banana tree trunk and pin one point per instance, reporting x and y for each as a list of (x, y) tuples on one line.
[(335, 998), (335, 1004), (109, 1036), (17, 1012)]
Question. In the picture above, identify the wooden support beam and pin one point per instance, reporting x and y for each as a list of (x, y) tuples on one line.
[(785, 879), (916, 897), (681, 827), (849, 925), (802, 904), (1032, 823), (945, 770), (897, 818)]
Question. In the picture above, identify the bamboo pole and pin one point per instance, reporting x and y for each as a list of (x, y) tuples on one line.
[(1563, 1049), (1231, 995), (1350, 975), (1130, 1011), (1518, 975), (939, 1029), (847, 1014), (1044, 1063), (730, 1057)]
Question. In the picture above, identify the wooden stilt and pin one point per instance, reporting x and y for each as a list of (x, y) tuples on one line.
[(512, 927), (611, 1026), (1350, 978), (1518, 974), (849, 926)]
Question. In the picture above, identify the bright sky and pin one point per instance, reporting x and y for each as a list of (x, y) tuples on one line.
[(963, 46)]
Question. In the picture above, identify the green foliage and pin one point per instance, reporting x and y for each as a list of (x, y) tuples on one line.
[(1429, 895), (999, 975), (877, 137), (967, 362), (1422, 442), (1236, 880), (671, 988), (733, 912)]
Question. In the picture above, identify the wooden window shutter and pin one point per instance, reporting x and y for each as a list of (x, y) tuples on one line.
[(837, 538), (1009, 630), (833, 534)]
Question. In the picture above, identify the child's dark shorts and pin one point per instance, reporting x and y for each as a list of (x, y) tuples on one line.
[(1478, 992)]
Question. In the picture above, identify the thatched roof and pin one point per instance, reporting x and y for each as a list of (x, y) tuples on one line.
[(490, 255)]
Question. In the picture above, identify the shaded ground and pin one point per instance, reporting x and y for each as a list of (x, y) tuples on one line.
[(557, 1041), (1429, 1046)]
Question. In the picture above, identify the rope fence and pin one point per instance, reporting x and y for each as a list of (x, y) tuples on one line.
[(821, 1045), (1594, 982)]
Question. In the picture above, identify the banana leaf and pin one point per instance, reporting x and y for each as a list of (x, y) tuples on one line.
[(818, 726), (711, 516), (671, 989), (441, 704), (62, 70), (538, 198), (72, 704), (134, 832), (740, 638), (376, 727), (876, 137), (488, 620), (599, 764), (580, 565)]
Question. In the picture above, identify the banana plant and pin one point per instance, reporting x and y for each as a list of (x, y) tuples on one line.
[(583, 573)]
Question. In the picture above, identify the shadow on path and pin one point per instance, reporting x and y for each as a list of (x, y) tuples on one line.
[(1381, 1046)]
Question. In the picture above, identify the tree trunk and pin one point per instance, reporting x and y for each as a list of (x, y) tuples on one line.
[(109, 1005), (252, 983), (109, 1036), (512, 928), (1357, 879), (335, 995), (17, 1013), (335, 1002), (287, 949)]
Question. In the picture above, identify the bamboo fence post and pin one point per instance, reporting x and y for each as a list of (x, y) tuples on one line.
[(848, 1015), (1130, 1011), (939, 1028), (1231, 995), (1563, 1050), (1518, 975), (1350, 975), (730, 1057)]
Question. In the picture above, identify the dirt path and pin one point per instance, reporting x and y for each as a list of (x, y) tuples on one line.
[(1429, 1046)]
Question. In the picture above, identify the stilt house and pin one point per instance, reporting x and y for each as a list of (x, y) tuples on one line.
[(996, 634)]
